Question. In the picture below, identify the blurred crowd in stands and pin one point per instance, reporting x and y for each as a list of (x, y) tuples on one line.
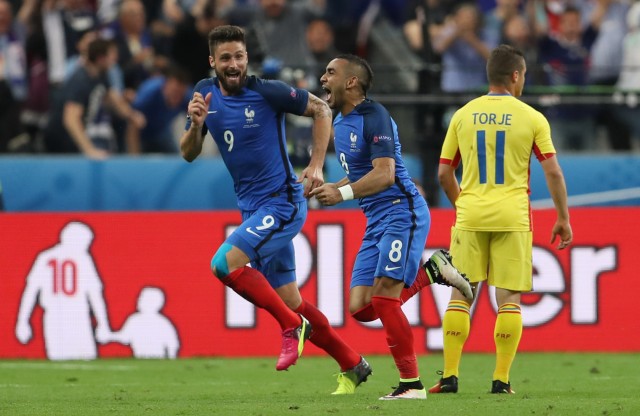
[(103, 77)]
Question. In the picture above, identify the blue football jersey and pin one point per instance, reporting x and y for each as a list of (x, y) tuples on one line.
[(249, 131), (367, 133)]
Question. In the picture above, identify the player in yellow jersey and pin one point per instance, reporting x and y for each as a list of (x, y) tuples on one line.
[(494, 137)]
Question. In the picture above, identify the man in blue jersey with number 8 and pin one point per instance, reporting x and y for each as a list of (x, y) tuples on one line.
[(245, 116), (387, 269)]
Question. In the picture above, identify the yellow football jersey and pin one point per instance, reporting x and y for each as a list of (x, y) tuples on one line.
[(494, 136)]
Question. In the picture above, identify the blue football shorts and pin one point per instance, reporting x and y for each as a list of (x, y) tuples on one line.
[(266, 237), (392, 246)]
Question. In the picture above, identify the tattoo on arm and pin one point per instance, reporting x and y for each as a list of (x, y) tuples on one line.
[(317, 108)]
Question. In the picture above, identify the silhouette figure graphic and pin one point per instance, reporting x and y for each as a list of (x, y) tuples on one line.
[(66, 284), (149, 333)]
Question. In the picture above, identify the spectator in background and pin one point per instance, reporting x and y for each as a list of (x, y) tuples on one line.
[(36, 106), (24, 75), (64, 23), (517, 32), (190, 46), (136, 57), (566, 60), (629, 80), (79, 120), (464, 47), (495, 19), (352, 20), (278, 27), (82, 47), (13, 75), (425, 20), (135, 50), (108, 13), (9, 113), (606, 52), (160, 99), (171, 14), (320, 42), (13, 37), (605, 62), (566, 54)]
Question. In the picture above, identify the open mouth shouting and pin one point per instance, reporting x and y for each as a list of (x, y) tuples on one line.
[(327, 97), (233, 77)]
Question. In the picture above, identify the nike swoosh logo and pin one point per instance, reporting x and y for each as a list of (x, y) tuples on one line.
[(250, 231), (212, 112), (388, 269)]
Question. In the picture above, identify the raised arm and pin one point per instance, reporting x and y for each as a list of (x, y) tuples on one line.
[(599, 13), (191, 140), (321, 133), (446, 37)]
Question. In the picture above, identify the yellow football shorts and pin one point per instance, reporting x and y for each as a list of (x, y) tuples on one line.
[(503, 259)]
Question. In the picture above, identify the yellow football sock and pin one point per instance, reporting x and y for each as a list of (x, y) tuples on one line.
[(507, 334), (455, 326)]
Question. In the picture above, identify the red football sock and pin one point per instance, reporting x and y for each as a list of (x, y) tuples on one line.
[(399, 335), (325, 337), (254, 287), (422, 280), (365, 314), (368, 314)]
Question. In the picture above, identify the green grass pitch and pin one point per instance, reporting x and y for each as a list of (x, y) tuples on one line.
[(545, 384)]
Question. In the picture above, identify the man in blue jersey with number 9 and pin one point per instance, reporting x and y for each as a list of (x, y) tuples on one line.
[(387, 269), (245, 116), (494, 136)]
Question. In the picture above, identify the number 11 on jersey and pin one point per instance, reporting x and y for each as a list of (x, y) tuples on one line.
[(499, 156)]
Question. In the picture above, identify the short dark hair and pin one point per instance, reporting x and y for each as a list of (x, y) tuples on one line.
[(223, 34), (98, 48), (364, 71), (503, 61)]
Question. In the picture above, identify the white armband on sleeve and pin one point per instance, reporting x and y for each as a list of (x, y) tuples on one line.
[(346, 192)]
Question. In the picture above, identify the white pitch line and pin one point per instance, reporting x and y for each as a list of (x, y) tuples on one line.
[(592, 198)]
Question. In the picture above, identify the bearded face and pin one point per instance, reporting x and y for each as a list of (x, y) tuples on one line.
[(230, 65)]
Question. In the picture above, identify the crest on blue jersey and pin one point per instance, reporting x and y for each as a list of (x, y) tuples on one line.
[(249, 114)]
